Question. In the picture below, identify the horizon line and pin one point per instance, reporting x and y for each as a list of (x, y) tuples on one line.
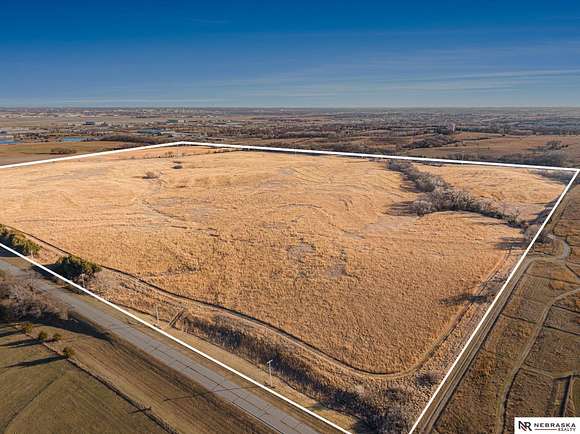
[(345, 107)]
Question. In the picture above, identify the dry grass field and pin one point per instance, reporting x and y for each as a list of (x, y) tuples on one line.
[(146, 387), (528, 364), (321, 248), (44, 393), (505, 187)]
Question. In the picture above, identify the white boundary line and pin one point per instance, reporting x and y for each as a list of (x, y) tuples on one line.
[(308, 152), (294, 151), (496, 298)]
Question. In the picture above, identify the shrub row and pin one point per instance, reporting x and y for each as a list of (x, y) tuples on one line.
[(18, 241), (138, 140), (549, 158), (555, 158), (378, 417), (436, 141), (424, 182), (556, 175), (440, 196)]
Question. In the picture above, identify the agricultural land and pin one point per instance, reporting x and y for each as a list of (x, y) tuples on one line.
[(247, 249), (528, 364)]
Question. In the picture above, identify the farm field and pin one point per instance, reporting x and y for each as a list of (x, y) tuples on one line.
[(528, 364), (44, 393), (22, 152), (503, 186), (279, 238), (486, 147), (148, 388)]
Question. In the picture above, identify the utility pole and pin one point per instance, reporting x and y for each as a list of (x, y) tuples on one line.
[(269, 363), (157, 314)]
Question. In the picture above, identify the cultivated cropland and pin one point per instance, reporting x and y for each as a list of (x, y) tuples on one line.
[(350, 273)]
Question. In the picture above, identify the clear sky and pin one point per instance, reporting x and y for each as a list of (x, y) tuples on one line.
[(290, 53)]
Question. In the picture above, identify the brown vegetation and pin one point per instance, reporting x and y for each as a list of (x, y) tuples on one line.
[(23, 152), (277, 243), (511, 191), (440, 196), (343, 267), (63, 151), (527, 363), (19, 300)]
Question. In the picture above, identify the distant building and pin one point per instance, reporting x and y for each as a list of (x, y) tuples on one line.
[(447, 129), (90, 123)]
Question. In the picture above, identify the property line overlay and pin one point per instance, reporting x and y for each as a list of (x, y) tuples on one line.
[(489, 310), (574, 171)]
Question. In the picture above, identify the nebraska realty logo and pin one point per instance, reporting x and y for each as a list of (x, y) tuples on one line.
[(523, 425)]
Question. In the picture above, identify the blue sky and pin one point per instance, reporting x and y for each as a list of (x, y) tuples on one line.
[(291, 54)]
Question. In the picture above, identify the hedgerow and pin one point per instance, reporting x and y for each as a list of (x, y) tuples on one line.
[(18, 241), (440, 196)]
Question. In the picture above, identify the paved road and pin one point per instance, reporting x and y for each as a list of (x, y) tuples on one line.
[(243, 398)]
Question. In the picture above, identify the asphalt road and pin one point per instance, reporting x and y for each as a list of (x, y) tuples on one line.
[(212, 380)]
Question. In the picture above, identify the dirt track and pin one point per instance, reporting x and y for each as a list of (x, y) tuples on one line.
[(276, 237)]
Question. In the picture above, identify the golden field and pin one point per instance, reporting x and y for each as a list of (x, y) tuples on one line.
[(528, 192), (526, 365), (321, 248)]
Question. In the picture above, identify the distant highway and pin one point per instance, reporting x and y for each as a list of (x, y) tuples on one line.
[(157, 347)]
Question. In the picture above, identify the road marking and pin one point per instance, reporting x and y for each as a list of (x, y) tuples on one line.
[(306, 152)]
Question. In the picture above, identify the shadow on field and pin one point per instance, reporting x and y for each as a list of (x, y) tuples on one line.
[(22, 343), (457, 300), (6, 254), (404, 208), (36, 362), (4, 334), (140, 410), (74, 325)]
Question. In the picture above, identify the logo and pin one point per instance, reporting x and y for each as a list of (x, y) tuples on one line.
[(524, 425)]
